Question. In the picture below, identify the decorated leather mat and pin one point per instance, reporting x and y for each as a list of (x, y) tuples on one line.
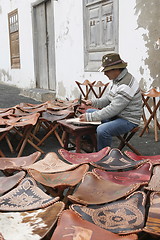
[(71, 226), (20, 112), (22, 121), (51, 164), (61, 105), (122, 216), (116, 160), (55, 117), (152, 159), (154, 183), (80, 158), (33, 225), (33, 109), (6, 112), (140, 175), (69, 110), (27, 196), (31, 105), (67, 178), (7, 183), (94, 190), (153, 219), (19, 162)]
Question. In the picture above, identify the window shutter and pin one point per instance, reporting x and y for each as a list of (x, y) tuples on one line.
[(14, 39), (100, 31)]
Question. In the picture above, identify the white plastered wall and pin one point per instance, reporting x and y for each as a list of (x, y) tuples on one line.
[(69, 50), (131, 43), (23, 77)]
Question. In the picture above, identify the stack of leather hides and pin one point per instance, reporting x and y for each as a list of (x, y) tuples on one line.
[(80, 196)]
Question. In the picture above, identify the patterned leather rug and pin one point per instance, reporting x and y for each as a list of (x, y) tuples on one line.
[(7, 183), (32, 225), (67, 178), (18, 163), (152, 159), (80, 158), (51, 164), (116, 161), (122, 216), (94, 190), (140, 175), (26, 196), (154, 183), (71, 226), (153, 219)]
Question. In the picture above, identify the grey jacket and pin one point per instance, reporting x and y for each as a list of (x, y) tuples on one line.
[(123, 99)]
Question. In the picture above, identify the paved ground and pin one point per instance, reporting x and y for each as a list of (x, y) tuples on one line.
[(10, 96)]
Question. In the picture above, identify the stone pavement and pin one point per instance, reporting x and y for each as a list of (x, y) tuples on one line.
[(10, 96)]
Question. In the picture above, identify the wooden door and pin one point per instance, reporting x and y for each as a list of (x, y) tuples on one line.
[(44, 48)]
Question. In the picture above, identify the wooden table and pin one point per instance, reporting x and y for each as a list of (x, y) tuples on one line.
[(70, 129)]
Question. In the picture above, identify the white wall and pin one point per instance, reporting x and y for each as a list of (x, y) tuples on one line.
[(69, 51), (69, 48), (131, 43), (23, 77), (4, 44)]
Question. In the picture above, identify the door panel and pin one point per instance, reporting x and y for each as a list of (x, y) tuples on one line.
[(44, 52), (51, 49)]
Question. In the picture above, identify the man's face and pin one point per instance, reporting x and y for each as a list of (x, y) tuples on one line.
[(112, 74)]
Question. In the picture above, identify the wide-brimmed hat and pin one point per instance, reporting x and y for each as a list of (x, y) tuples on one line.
[(112, 61)]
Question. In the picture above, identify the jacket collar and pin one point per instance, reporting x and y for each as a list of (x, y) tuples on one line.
[(121, 75)]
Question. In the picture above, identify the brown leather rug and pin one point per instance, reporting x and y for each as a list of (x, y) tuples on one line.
[(154, 183), (80, 158), (31, 105), (71, 226), (94, 190), (153, 220), (23, 121), (55, 117), (33, 109), (7, 183), (61, 112), (19, 162), (33, 225), (140, 175), (26, 196), (152, 159), (116, 160), (60, 104), (4, 128), (67, 178), (2, 110), (51, 164), (122, 216), (6, 113), (19, 112)]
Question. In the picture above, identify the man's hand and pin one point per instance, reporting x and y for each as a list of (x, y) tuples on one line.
[(87, 102), (83, 118)]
